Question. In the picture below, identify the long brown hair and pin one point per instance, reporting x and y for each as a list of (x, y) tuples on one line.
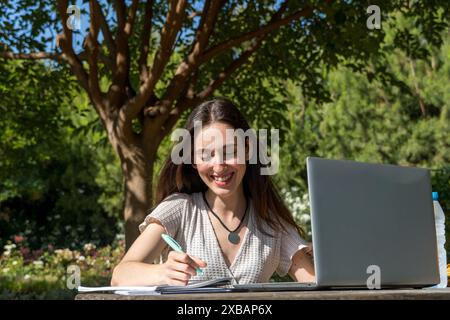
[(260, 189)]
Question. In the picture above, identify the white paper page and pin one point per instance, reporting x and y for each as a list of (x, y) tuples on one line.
[(96, 289), (128, 290), (184, 291), (136, 293)]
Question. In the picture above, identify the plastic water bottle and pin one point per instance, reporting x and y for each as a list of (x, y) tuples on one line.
[(440, 235)]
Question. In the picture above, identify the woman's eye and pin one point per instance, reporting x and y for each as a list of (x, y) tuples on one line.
[(230, 154), (207, 155)]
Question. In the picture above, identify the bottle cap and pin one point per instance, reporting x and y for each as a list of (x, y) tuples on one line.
[(435, 196)]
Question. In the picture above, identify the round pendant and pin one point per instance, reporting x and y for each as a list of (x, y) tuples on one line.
[(233, 238)]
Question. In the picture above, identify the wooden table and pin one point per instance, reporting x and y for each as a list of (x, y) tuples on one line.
[(406, 294)]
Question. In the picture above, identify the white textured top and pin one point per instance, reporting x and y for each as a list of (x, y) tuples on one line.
[(185, 218)]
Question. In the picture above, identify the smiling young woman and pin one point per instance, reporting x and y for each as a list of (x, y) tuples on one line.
[(227, 216)]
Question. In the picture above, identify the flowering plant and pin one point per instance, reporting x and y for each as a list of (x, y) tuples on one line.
[(43, 274), (299, 206)]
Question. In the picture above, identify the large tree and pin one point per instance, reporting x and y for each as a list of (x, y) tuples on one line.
[(144, 63)]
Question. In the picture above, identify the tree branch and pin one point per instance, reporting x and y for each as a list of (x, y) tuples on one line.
[(64, 40), (206, 27), (121, 89), (226, 73), (169, 32), (190, 99), (274, 24), (183, 104), (92, 49), (145, 41), (32, 55), (60, 57), (109, 40), (121, 9), (193, 61), (131, 18), (417, 93), (210, 12), (117, 92), (86, 80)]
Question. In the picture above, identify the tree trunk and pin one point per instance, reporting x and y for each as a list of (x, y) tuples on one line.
[(137, 169)]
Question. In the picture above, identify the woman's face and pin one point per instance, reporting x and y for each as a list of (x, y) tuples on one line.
[(220, 160)]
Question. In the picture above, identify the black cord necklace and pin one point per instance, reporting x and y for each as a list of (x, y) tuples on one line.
[(233, 236)]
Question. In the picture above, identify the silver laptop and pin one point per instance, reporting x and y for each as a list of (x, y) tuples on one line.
[(371, 224)]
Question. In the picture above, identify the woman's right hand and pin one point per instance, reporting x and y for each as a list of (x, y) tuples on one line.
[(179, 268)]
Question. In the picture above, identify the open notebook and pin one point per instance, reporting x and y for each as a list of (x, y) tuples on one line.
[(194, 286)]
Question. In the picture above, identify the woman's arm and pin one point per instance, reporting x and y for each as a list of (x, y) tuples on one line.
[(136, 267), (302, 268)]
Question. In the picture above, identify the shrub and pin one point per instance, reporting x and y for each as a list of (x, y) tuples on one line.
[(42, 274)]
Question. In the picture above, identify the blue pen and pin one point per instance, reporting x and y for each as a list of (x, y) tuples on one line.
[(175, 246)]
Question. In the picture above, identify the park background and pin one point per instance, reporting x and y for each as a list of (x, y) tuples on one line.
[(333, 86)]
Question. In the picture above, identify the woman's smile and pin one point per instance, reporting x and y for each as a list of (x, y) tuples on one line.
[(222, 180)]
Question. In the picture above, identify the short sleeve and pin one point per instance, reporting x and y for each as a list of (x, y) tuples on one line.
[(169, 213), (291, 242)]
